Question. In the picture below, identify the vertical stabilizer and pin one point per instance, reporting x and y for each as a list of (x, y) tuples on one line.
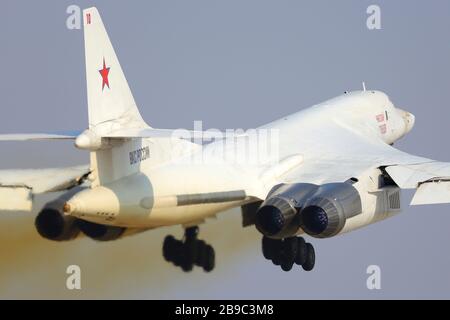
[(109, 96)]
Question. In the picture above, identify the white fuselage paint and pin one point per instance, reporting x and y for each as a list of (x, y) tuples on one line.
[(147, 196)]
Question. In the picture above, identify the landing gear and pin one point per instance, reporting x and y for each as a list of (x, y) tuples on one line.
[(189, 252), (289, 251)]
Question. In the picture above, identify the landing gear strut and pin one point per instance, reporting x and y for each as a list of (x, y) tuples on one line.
[(189, 252), (289, 251)]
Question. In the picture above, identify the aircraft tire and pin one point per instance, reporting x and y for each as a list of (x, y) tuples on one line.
[(311, 258), (201, 253), (302, 251), (210, 260), (269, 247), (168, 248)]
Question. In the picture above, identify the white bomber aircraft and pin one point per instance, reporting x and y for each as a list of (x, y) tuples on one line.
[(335, 171)]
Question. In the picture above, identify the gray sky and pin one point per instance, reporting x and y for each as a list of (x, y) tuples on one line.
[(232, 64)]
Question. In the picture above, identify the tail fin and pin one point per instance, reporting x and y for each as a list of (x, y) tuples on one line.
[(110, 101), (109, 96)]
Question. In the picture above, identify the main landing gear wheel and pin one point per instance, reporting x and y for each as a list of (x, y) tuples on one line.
[(302, 255), (189, 252), (289, 251), (310, 258)]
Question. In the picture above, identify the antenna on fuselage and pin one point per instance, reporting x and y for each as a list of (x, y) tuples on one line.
[(364, 86)]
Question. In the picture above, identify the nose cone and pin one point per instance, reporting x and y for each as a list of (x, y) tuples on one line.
[(408, 118)]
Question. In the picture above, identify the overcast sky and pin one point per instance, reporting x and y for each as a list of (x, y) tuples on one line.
[(231, 64)]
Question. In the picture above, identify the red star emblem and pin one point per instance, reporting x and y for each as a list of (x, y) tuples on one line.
[(104, 73)]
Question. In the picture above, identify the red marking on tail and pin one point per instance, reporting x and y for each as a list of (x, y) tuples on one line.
[(104, 73)]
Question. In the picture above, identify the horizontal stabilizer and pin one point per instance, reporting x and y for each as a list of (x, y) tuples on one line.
[(38, 136), (125, 134)]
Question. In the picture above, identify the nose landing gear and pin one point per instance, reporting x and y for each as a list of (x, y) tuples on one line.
[(189, 252), (289, 251)]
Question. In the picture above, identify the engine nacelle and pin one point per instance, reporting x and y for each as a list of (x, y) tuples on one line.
[(278, 217), (101, 232), (320, 211), (328, 210), (52, 224)]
